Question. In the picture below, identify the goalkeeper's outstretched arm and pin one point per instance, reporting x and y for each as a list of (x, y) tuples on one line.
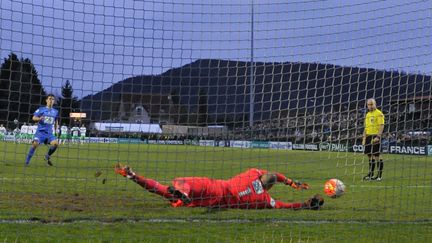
[(313, 203), (269, 178), (284, 205)]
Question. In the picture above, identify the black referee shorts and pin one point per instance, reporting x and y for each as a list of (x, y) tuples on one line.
[(372, 148)]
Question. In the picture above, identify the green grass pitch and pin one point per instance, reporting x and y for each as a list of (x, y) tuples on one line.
[(69, 203)]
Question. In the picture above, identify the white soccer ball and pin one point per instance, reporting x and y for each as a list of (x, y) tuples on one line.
[(334, 188)]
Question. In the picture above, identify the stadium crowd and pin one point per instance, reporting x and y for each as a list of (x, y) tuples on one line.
[(337, 126)]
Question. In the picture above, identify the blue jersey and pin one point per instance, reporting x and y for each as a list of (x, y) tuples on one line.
[(50, 116)]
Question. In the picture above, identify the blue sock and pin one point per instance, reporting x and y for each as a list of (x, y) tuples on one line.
[(30, 155), (51, 150)]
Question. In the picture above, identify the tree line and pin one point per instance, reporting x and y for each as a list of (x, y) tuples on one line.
[(21, 93)]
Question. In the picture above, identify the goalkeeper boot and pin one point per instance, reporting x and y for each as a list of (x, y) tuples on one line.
[(180, 195), (314, 203), (124, 170), (48, 160), (377, 178)]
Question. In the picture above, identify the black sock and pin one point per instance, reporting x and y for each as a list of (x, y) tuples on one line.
[(51, 150), (380, 167), (371, 167)]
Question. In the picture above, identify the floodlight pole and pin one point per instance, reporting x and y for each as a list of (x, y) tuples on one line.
[(251, 75)]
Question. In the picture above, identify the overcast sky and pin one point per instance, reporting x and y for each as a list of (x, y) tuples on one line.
[(97, 43)]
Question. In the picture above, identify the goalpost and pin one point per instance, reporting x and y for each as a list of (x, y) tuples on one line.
[(203, 89)]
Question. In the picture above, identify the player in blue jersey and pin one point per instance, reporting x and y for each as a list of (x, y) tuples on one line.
[(46, 118)]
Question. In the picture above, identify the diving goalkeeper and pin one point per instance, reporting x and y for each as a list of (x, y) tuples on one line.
[(248, 190)]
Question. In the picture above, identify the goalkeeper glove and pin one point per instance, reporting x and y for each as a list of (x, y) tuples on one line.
[(297, 184), (314, 203)]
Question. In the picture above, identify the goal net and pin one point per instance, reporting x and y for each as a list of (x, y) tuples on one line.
[(198, 89)]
